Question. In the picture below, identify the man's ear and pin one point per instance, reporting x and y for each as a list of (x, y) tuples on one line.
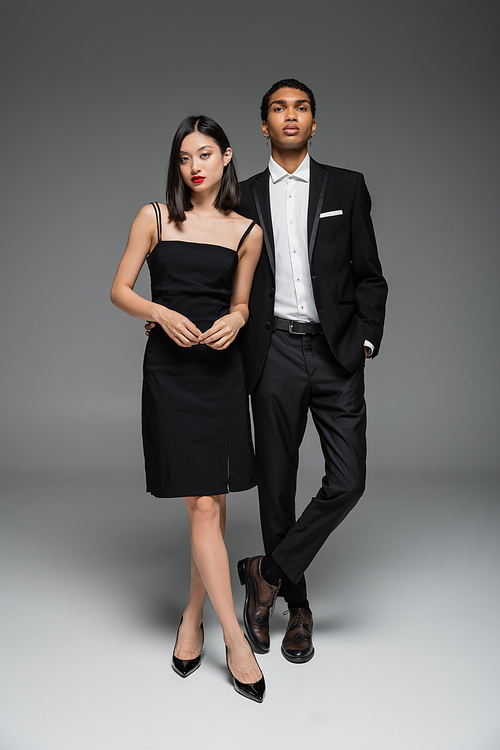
[(265, 129)]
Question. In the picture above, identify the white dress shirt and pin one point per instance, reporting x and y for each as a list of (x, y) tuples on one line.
[(289, 197)]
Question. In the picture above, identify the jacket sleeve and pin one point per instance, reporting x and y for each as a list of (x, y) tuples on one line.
[(370, 287)]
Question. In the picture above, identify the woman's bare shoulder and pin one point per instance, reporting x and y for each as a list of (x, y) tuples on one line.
[(148, 213), (255, 233), (251, 241), (150, 209), (243, 221), (237, 217)]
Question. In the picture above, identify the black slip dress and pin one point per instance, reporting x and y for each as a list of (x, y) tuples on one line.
[(195, 419)]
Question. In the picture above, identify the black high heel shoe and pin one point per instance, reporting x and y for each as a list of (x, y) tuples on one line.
[(185, 667), (253, 690)]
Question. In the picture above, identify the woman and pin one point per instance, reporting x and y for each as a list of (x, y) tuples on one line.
[(196, 432)]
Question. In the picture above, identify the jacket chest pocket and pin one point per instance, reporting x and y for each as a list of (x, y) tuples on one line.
[(331, 227)]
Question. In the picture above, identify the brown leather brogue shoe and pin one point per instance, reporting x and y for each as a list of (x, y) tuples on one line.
[(260, 598), (297, 645)]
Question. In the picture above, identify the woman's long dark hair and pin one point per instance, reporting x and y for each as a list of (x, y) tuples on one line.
[(178, 196)]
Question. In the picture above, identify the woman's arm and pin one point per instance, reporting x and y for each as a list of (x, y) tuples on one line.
[(139, 245), (224, 331)]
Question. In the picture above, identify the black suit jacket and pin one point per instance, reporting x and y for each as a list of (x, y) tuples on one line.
[(349, 289)]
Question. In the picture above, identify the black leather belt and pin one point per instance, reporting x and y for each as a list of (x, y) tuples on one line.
[(297, 327)]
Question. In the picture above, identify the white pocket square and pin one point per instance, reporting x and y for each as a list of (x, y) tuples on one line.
[(339, 212)]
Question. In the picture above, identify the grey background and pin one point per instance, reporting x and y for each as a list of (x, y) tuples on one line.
[(407, 93)]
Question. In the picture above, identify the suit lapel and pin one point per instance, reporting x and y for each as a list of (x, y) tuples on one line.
[(317, 188), (260, 190)]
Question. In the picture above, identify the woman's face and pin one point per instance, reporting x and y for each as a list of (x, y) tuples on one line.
[(201, 162)]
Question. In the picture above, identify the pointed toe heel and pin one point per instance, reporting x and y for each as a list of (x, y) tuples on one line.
[(255, 691), (185, 667)]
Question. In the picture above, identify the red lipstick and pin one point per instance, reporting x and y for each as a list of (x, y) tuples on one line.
[(197, 179)]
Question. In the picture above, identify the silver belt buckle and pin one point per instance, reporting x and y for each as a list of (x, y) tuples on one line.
[(290, 329)]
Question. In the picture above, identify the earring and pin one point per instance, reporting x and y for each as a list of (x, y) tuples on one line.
[(311, 138), (267, 140)]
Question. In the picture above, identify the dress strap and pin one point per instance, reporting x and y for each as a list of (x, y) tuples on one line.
[(247, 232), (157, 209)]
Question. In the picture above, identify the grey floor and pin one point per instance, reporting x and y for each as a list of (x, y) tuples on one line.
[(405, 596)]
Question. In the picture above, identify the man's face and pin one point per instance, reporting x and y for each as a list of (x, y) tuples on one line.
[(289, 122)]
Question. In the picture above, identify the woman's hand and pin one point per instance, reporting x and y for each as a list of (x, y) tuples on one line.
[(180, 329), (224, 331)]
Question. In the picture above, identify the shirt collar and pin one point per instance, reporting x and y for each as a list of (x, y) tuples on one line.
[(301, 173)]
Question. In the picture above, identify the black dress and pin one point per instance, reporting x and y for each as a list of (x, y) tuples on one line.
[(195, 419)]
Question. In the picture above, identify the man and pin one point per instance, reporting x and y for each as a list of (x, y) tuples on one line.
[(316, 311)]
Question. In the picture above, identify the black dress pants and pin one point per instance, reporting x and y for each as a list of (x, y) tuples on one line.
[(301, 373)]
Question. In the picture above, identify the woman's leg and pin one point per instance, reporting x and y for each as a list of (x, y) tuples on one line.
[(190, 639), (209, 552)]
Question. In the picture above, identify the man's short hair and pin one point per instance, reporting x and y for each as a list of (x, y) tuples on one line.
[(286, 83)]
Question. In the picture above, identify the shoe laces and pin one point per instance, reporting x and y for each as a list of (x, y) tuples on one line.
[(297, 617)]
